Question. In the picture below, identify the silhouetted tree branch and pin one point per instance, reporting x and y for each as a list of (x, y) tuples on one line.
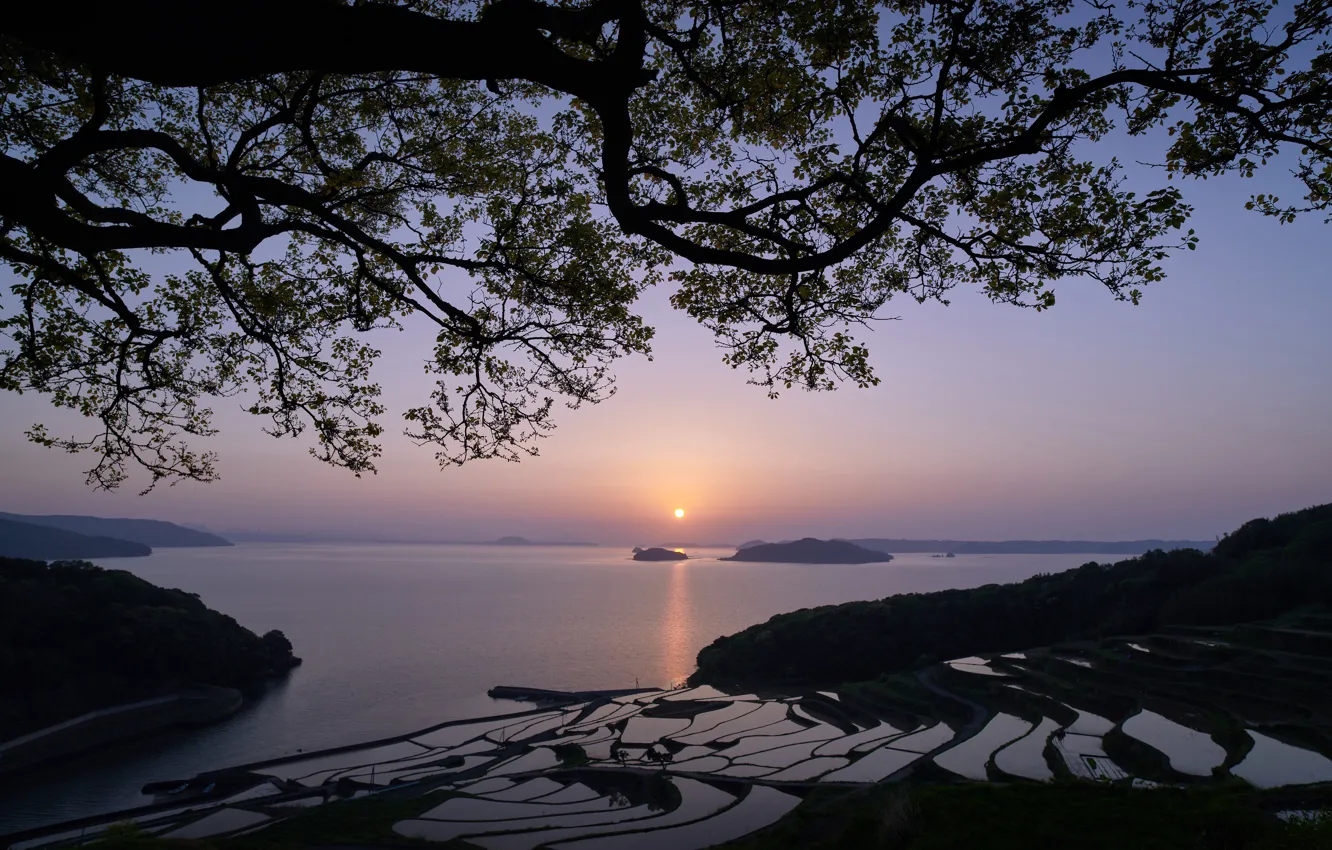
[(517, 172)]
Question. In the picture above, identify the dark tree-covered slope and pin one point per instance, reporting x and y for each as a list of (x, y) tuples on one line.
[(28, 540), (75, 637), (150, 532), (1262, 570)]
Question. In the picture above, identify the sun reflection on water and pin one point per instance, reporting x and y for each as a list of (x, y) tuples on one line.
[(678, 657)]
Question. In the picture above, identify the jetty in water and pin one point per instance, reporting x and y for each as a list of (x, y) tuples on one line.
[(545, 695)]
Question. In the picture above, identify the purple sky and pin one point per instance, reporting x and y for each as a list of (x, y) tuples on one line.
[(1209, 404)]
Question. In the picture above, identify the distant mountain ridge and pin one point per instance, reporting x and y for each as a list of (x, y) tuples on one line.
[(1029, 547), (250, 536), (148, 532), (44, 543), (898, 546), (514, 540)]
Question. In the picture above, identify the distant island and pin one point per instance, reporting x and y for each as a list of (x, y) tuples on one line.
[(147, 532), (514, 540), (1015, 547), (28, 540), (810, 551), (659, 554), (692, 545)]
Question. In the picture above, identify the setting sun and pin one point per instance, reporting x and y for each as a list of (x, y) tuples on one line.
[(679, 513)]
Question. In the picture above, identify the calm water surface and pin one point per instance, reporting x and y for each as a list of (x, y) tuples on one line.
[(399, 637)]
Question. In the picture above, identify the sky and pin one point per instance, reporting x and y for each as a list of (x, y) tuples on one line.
[(1207, 405)]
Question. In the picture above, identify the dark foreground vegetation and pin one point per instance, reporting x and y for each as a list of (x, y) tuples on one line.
[(1264, 569), (1064, 816), (75, 638)]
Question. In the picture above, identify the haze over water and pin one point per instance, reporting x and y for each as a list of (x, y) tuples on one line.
[(399, 637)]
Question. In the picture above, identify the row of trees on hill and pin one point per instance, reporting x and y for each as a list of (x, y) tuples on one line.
[(1264, 569)]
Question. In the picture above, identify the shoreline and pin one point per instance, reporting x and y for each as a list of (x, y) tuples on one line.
[(193, 706)]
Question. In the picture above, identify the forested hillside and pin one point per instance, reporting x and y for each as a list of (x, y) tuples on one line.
[(1261, 570), (75, 637)]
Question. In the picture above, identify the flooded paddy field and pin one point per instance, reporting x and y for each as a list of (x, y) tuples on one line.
[(694, 767)]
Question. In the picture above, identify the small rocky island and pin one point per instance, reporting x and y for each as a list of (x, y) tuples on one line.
[(811, 551), (658, 554)]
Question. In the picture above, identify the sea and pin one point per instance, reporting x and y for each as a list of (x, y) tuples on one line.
[(398, 637)]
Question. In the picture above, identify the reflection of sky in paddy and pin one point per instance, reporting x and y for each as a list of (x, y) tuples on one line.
[(474, 809), (743, 741), (874, 767), (710, 720), (782, 756), (528, 790), (814, 736), (1089, 724), (843, 745), (1189, 750), (646, 730), (1271, 763), (575, 793), (760, 807), (979, 669), (924, 740), (697, 800), (808, 769), (969, 757), (1026, 756)]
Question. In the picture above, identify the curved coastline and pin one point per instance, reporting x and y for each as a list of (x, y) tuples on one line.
[(191, 706)]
